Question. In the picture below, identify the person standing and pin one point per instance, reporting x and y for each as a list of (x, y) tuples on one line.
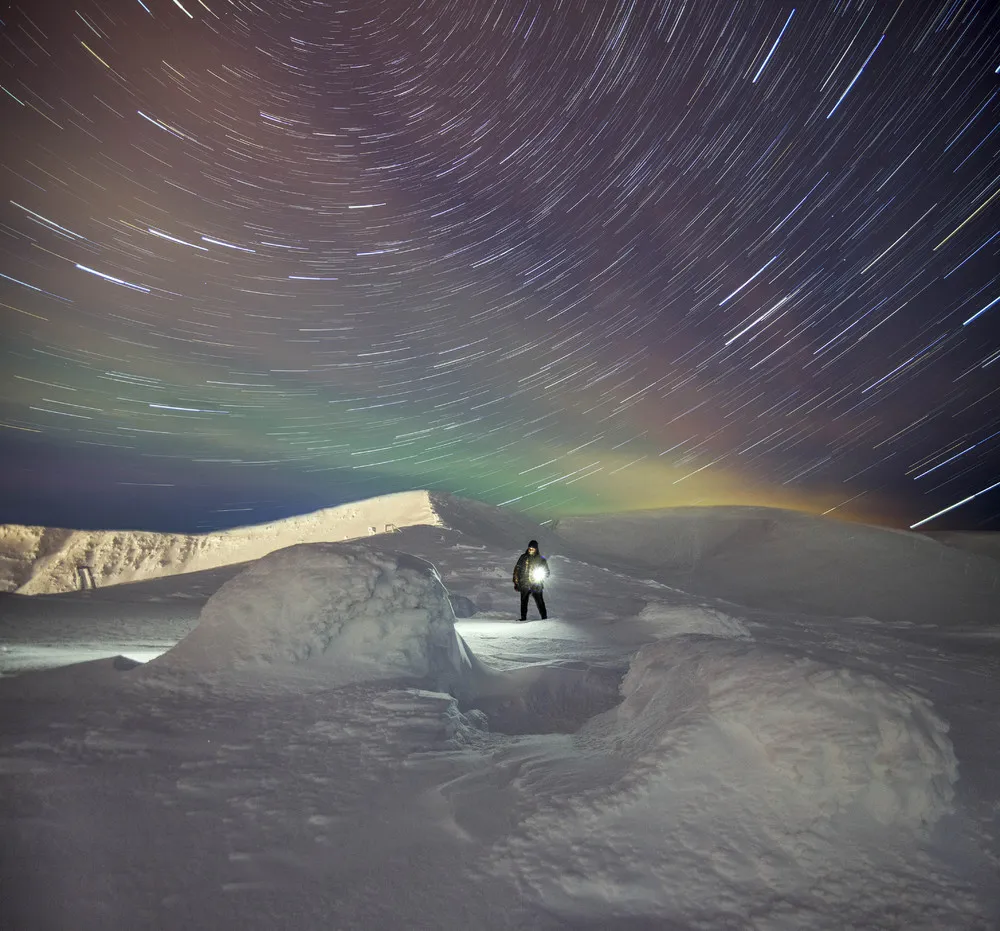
[(530, 574)]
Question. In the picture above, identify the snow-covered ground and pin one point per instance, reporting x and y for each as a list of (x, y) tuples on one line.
[(734, 718)]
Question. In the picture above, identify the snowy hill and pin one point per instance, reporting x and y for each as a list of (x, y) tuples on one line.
[(790, 561), (41, 560)]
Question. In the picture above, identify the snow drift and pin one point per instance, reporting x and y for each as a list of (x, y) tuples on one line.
[(349, 610), (41, 560), (670, 620)]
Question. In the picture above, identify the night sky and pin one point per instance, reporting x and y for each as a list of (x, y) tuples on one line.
[(565, 256)]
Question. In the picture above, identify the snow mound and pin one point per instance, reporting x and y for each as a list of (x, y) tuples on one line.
[(825, 739), (349, 610), (40, 560), (732, 774), (789, 561)]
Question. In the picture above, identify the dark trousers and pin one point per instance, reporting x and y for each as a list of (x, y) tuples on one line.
[(539, 603)]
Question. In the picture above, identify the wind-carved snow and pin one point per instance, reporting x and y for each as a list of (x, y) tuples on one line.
[(351, 610)]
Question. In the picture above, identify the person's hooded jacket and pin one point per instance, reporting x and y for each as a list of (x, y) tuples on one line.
[(526, 566)]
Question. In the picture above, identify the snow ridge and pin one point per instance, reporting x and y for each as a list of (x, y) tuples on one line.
[(40, 560)]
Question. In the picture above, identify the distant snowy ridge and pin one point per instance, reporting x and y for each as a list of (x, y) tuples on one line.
[(41, 560)]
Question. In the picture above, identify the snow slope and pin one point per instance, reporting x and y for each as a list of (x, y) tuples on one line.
[(40, 560), (985, 543)]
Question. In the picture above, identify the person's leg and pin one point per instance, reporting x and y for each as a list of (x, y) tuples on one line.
[(524, 604), (540, 604)]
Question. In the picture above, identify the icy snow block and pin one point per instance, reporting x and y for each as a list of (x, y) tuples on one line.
[(807, 737), (354, 611)]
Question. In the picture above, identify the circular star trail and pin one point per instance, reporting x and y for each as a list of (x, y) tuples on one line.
[(561, 257)]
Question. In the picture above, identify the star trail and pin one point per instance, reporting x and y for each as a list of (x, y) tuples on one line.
[(563, 256)]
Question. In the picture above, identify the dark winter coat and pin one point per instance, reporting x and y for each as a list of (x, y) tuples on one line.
[(522, 572)]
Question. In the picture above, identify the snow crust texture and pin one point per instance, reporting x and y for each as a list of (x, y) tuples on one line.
[(354, 612)]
